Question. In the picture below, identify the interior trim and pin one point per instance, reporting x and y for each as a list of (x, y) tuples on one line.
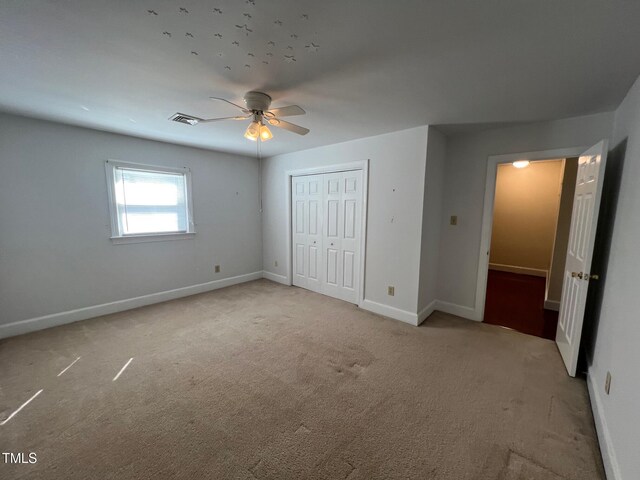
[(426, 311), (609, 459), (458, 310), (552, 305), (275, 277), (391, 312), (536, 272)]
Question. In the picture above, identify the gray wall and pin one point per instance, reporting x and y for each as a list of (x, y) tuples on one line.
[(618, 336), (431, 214), (396, 187), (464, 188), (55, 252)]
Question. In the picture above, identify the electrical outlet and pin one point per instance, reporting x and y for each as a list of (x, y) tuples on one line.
[(607, 383), (391, 290), (216, 268), (275, 264), (454, 220)]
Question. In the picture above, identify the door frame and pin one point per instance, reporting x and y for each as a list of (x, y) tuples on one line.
[(334, 168), (487, 214)]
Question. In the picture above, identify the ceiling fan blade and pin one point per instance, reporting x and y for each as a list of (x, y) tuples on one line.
[(230, 103), (289, 111), (208, 120), (276, 122)]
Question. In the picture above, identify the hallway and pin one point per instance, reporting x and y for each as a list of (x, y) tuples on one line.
[(516, 301)]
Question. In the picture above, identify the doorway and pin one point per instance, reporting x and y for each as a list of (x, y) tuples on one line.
[(530, 230), (577, 273)]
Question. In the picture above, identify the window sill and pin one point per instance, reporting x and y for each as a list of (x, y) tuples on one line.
[(162, 237)]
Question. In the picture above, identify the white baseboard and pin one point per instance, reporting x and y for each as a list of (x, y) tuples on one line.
[(458, 310), (606, 446), (56, 319), (274, 277), (536, 272), (552, 305), (426, 311), (388, 311), (417, 318)]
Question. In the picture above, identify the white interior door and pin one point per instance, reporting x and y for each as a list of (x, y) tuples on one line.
[(327, 229), (332, 234), (307, 215), (314, 236), (341, 241), (584, 218), (350, 235), (299, 208)]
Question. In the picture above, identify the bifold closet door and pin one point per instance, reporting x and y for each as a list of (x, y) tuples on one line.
[(342, 204), (307, 203), (327, 224)]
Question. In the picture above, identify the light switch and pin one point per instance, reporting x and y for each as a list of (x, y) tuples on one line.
[(454, 220)]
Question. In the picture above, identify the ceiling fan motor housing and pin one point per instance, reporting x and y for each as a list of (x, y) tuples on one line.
[(257, 101)]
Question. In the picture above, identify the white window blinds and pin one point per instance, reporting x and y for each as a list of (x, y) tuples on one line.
[(149, 202)]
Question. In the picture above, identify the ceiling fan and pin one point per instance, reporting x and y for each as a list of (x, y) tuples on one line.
[(257, 109)]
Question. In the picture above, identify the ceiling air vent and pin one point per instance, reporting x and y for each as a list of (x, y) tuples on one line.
[(183, 118)]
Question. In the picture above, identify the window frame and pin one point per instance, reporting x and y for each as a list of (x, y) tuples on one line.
[(116, 236)]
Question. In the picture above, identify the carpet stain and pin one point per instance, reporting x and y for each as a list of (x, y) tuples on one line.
[(520, 467), (357, 368), (254, 469), (351, 472), (550, 411), (338, 369), (303, 429)]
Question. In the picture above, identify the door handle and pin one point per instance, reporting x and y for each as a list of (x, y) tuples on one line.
[(314, 241), (585, 276), (332, 244)]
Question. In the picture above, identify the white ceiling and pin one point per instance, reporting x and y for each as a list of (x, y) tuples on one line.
[(380, 65)]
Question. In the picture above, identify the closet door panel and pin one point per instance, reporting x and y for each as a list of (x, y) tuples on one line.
[(314, 234), (351, 203), (332, 267), (348, 271), (300, 209), (331, 235), (333, 209)]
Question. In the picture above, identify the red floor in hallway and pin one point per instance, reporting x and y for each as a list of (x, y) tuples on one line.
[(517, 301)]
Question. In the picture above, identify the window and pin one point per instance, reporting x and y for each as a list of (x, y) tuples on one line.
[(149, 203)]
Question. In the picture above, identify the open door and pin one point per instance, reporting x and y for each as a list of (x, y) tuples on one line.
[(577, 274)]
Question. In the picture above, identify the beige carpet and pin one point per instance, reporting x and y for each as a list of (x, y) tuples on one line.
[(262, 381)]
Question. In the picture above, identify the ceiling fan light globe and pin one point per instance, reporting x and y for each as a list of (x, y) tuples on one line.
[(265, 133), (273, 121), (249, 137), (253, 131)]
